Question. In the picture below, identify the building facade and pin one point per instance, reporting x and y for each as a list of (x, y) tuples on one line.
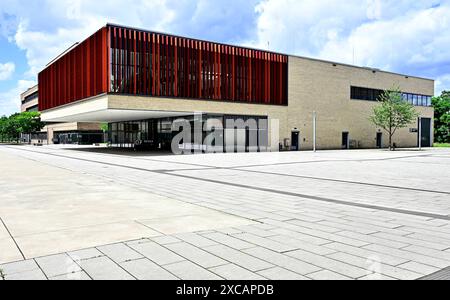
[(141, 82), (58, 133)]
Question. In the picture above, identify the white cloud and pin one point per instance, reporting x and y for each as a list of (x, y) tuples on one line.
[(7, 70), (10, 100), (412, 40), (442, 84), (401, 36)]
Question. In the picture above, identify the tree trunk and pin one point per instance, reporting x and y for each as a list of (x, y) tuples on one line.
[(390, 138)]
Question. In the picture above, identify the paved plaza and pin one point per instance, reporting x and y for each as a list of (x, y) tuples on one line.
[(93, 213)]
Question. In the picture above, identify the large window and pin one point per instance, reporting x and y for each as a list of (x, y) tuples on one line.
[(360, 93)]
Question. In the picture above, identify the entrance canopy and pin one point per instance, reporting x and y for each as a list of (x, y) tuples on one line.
[(98, 111)]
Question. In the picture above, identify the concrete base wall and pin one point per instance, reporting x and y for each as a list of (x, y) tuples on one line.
[(51, 129)]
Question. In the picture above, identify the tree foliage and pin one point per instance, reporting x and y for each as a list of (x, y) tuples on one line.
[(441, 106), (21, 123), (393, 113)]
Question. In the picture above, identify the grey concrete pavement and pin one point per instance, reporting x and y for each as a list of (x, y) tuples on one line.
[(73, 213)]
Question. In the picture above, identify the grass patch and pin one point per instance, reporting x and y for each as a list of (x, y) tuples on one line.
[(445, 145)]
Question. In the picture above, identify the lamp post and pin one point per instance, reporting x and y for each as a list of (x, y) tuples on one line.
[(420, 133), (315, 131)]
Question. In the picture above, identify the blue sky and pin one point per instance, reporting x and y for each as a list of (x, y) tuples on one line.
[(405, 36)]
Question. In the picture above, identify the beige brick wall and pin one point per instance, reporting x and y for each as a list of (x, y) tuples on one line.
[(325, 88)]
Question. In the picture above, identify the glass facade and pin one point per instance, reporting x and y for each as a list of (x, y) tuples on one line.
[(158, 134), (78, 138), (359, 93)]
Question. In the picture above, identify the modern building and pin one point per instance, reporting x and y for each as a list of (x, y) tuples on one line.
[(140, 81), (59, 133)]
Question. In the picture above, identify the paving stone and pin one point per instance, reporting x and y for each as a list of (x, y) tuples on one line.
[(196, 255), (196, 240), (315, 226), (27, 275), (412, 241), (372, 239), (165, 240), (418, 268), (282, 260), (57, 265), (144, 269), (157, 253), (301, 237), (229, 231), (429, 252), (103, 268), (85, 254), (375, 266), (320, 234), (256, 231), (329, 264), (350, 226), (265, 242), (430, 238), (302, 245), (278, 273), (137, 242), (233, 272), (239, 258), (376, 223), (378, 277), (73, 276), (428, 260), (187, 270), (19, 267), (120, 252), (384, 258), (229, 241), (327, 275)]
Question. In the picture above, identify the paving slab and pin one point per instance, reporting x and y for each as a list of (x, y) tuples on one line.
[(103, 268), (363, 214), (144, 269), (57, 265)]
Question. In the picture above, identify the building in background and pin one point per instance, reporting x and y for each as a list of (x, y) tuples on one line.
[(58, 133), (140, 82)]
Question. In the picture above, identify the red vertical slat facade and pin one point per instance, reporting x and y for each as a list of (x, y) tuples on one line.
[(128, 61), (78, 74)]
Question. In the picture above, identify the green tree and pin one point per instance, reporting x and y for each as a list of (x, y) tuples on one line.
[(3, 124), (16, 124), (393, 113), (11, 129), (441, 106), (28, 122)]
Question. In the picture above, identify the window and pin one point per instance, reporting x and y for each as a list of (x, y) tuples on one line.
[(359, 93), (33, 108), (30, 98), (415, 100)]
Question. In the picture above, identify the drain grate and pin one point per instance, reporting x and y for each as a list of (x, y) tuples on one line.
[(440, 275)]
